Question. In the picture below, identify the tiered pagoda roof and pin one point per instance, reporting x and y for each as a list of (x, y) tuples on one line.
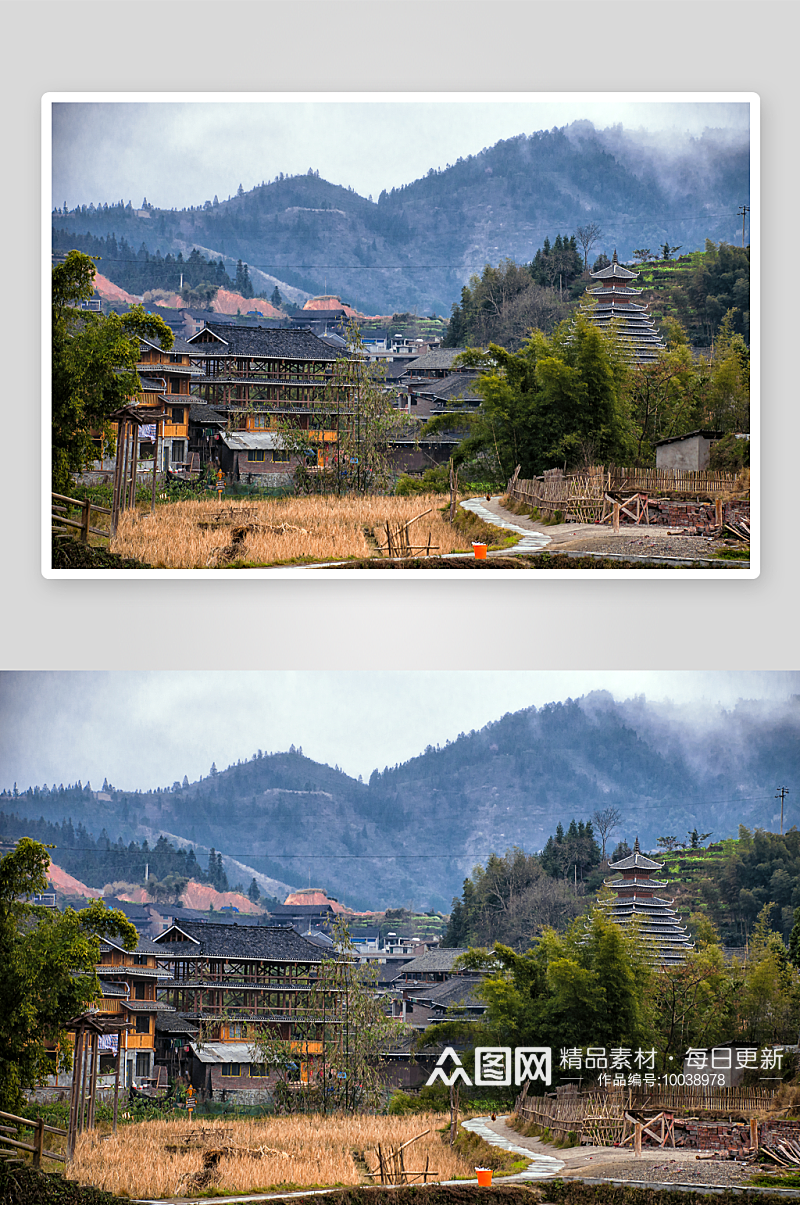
[(636, 901), (613, 300)]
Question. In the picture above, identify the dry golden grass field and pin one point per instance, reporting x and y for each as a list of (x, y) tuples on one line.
[(302, 1151), (207, 535)]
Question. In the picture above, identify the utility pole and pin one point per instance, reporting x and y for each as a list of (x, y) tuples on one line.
[(744, 210), (782, 791)]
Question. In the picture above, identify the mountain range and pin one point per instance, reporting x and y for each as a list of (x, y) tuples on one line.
[(415, 247), (414, 831)]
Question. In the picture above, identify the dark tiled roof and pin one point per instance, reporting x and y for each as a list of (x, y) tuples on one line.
[(439, 357), (148, 1006), (456, 992), (616, 272), (457, 387), (433, 961), (144, 946), (110, 988), (280, 343), (178, 344), (271, 942), (673, 439), (205, 415), (174, 1024)]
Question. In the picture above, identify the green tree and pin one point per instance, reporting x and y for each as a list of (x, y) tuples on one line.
[(357, 411), (344, 1013), (276, 298), (590, 986), (557, 402), (48, 960), (93, 367)]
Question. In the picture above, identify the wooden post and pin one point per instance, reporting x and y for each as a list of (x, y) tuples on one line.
[(637, 1139), (134, 463), (122, 427), (124, 490), (453, 1113), (95, 1056), (616, 516), (453, 490), (116, 1080), (74, 1092), (85, 520), (155, 468), (38, 1142), (753, 1136)]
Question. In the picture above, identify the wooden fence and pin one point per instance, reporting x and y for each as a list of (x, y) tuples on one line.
[(61, 507), (597, 1118), (583, 497), (37, 1147)]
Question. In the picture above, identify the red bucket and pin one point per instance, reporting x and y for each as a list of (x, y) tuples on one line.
[(480, 551), (484, 1177)]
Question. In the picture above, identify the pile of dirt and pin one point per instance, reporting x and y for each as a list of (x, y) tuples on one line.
[(27, 1186), (227, 302), (74, 554), (199, 896), (106, 289), (65, 883)]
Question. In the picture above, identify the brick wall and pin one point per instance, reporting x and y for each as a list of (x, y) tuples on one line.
[(730, 1137), (667, 512)]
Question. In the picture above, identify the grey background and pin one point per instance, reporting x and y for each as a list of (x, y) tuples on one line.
[(438, 46)]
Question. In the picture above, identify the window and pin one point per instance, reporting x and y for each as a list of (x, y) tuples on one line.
[(177, 414), (258, 1069), (254, 455), (142, 1065), (232, 1069), (139, 991), (236, 1031), (143, 1023), (279, 457)]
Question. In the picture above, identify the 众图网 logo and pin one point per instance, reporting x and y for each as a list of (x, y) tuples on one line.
[(494, 1064)]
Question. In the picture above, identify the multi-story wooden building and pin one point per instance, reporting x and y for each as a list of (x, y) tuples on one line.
[(166, 378), (238, 982), (636, 903), (260, 378), (129, 982), (611, 307)]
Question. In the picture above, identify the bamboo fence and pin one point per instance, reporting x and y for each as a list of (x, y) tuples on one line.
[(597, 1118), (583, 497)]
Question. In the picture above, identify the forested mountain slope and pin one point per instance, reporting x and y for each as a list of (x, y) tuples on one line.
[(415, 247), (415, 830)]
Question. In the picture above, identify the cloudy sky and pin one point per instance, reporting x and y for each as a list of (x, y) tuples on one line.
[(143, 730), (178, 153)]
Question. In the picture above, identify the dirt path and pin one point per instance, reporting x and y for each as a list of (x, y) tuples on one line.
[(654, 1166), (630, 541)]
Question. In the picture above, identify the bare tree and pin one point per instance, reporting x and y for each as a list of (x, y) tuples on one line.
[(587, 237), (605, 822)]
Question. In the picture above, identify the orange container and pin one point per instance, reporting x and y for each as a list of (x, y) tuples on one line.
[(484, 1177), (480, 551)]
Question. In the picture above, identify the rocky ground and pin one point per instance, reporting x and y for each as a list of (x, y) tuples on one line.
[(679, 1166)]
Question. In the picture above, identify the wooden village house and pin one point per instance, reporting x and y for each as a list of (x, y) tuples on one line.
[(260, 378), (232, 983)]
